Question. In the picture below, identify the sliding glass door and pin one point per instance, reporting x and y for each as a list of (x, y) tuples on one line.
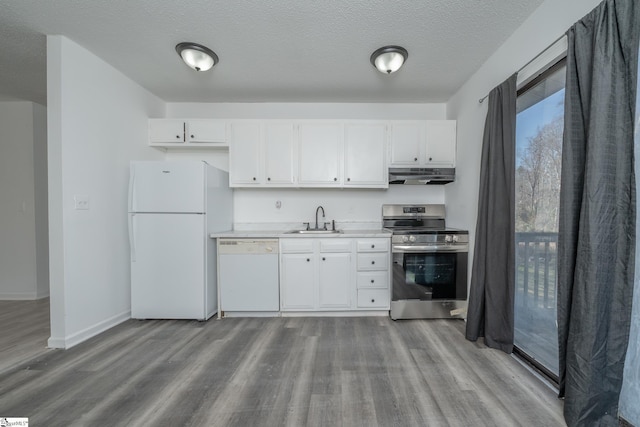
[(539, 127)]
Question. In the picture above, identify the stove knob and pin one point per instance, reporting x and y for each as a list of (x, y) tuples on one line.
[(405, 239), (412, 238), (448, 238), (455, 238)]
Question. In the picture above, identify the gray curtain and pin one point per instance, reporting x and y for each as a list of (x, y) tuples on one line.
[(596, 240), (490, 313)]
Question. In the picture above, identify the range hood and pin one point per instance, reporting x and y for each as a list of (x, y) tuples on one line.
[(421, 176)]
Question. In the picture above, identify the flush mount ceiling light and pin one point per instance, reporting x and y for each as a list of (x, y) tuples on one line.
[(196, 56), (389, 59)]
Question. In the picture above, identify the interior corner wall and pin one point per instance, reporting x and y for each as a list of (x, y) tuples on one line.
[(97, 123), (18, 261), (552, 19), (40, 199)]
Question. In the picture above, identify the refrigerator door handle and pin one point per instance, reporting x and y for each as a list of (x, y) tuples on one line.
[(132, 189), (132, 236)]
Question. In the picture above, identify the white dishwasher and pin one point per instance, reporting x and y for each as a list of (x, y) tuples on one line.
[(248, 275)]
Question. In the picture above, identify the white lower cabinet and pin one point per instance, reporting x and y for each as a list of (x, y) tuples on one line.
[(297, 284), (334, 277), (373, 274), (316, 274), (334, 274)]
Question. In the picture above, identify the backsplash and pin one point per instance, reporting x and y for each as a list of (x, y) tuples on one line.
[(344, 206)]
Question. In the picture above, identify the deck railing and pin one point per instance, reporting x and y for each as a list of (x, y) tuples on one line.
[(536, 264)]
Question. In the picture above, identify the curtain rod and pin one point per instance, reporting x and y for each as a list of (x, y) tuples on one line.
[(481, 100)]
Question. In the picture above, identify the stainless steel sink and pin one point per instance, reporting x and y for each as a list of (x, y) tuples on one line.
[(314, 231)]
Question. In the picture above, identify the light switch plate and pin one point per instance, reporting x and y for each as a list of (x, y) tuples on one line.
[(81, 202)]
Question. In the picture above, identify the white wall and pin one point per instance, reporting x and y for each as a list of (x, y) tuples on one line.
[(298, 205), (552, 19), (23, 233), (97, 124), (547, 23)]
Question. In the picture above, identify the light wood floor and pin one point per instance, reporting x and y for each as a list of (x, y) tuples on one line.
[(279, 371), (24, 331)]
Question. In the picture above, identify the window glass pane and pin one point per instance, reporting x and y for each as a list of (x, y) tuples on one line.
[(539, 128)]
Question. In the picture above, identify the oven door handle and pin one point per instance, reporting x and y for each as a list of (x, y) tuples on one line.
[(427, 248)]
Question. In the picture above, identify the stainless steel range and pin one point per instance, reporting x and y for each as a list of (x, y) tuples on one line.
[(429, 263)]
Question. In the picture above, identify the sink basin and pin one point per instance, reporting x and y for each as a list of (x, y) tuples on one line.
[(314, 231)]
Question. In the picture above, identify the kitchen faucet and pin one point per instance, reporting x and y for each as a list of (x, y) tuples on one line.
[(318, 209)]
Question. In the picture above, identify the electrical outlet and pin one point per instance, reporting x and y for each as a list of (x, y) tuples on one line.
[(81, 202)]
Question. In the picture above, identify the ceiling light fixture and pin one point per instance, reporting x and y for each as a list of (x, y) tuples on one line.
[(196, 56), (389, 59)]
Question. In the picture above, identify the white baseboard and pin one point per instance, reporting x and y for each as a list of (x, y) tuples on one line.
[(18, 296), (251, 314), (90, 332), (363, 313)]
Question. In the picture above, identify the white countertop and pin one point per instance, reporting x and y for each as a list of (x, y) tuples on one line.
[(281, 230), (277, 234)]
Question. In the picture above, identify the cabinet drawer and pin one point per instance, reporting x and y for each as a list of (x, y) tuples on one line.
[(373, 261), (373, 245), (335, 245), (296, 245), (373, 279), (373, 298)]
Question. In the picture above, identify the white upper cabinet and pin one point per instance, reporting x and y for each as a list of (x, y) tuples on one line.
[(261, 153), (441, 143), (406, 140), (244, 154), (278, 148), (181, 133), (320, 154), (166, 131), (426, 143), (365, 160), (206, 131)]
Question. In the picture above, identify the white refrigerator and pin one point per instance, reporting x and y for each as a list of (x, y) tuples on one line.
[(173, 206)]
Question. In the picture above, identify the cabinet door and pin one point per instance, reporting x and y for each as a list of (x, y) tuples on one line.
[(441, 143), (365, 156), (407, 140), (166, 131), (278, 153), (334, 284), (320, 152), (297, 282), (244, 154), (207, 131)]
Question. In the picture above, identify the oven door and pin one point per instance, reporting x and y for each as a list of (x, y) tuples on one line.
[(429, 273)]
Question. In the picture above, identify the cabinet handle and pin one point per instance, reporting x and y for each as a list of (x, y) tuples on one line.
[(178, 136), (373, 246), (348, 179), (415, 159), (335, 179), (269, 179), (308, 260), (373, 262), (430, 158), (192, 136), (254, 178), (372, 300), (323, 258), (372, 281)]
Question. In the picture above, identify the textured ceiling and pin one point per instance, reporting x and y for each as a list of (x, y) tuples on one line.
[(270, 50)]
